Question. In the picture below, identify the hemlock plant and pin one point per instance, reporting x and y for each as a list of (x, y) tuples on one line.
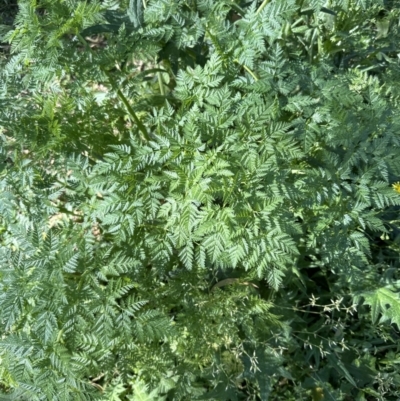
[(199, 200)]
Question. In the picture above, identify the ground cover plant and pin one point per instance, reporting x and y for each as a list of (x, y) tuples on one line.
[(199, 200)]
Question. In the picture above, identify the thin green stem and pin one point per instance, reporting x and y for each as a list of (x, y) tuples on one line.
[(59, 336), (140, 125), (160, 83), (121, 96), (250, 72), (264, 3), (85, 43), (247, 69), (131, 112)]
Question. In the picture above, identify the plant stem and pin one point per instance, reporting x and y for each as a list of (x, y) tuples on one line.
[(122, 97), (140, 125), (247, 69), (160, 83), (264, 3)]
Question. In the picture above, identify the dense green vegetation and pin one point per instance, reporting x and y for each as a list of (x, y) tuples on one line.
[(199, 200)]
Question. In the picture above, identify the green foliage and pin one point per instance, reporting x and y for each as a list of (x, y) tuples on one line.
[(384, 302), (197, 200)]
